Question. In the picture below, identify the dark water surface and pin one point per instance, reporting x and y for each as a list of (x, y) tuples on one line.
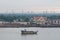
[(43, 34)]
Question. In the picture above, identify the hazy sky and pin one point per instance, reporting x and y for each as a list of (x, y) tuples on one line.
[(29, 5)]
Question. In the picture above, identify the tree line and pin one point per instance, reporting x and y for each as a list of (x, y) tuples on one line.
[(26, 18)]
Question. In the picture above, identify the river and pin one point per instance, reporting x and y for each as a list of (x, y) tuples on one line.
[(43, 34)]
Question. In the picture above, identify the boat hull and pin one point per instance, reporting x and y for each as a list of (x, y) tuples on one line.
[(28, 32)]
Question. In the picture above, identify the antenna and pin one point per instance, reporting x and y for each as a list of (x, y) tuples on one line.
[(12, 11), (22, 11)]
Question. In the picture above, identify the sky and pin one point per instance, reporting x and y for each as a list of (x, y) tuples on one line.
[(29, 5)]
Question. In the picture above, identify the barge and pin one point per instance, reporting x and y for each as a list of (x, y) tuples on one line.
[(28, 32)]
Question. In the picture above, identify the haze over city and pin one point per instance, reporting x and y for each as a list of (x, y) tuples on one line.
[(29, 5)]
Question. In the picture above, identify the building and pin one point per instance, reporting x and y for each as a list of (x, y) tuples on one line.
[(24, 23), (54, 21), (39, 20)]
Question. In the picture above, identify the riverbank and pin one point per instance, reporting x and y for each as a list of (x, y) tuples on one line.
[(18, 25), (28, 26)]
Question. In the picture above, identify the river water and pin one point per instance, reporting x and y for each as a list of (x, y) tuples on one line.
[(42, 34)]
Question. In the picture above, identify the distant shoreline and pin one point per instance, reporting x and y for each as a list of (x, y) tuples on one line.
[(29, 26), (18, 25)]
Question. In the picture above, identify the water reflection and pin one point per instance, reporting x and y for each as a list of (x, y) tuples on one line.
[(42, 34)]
